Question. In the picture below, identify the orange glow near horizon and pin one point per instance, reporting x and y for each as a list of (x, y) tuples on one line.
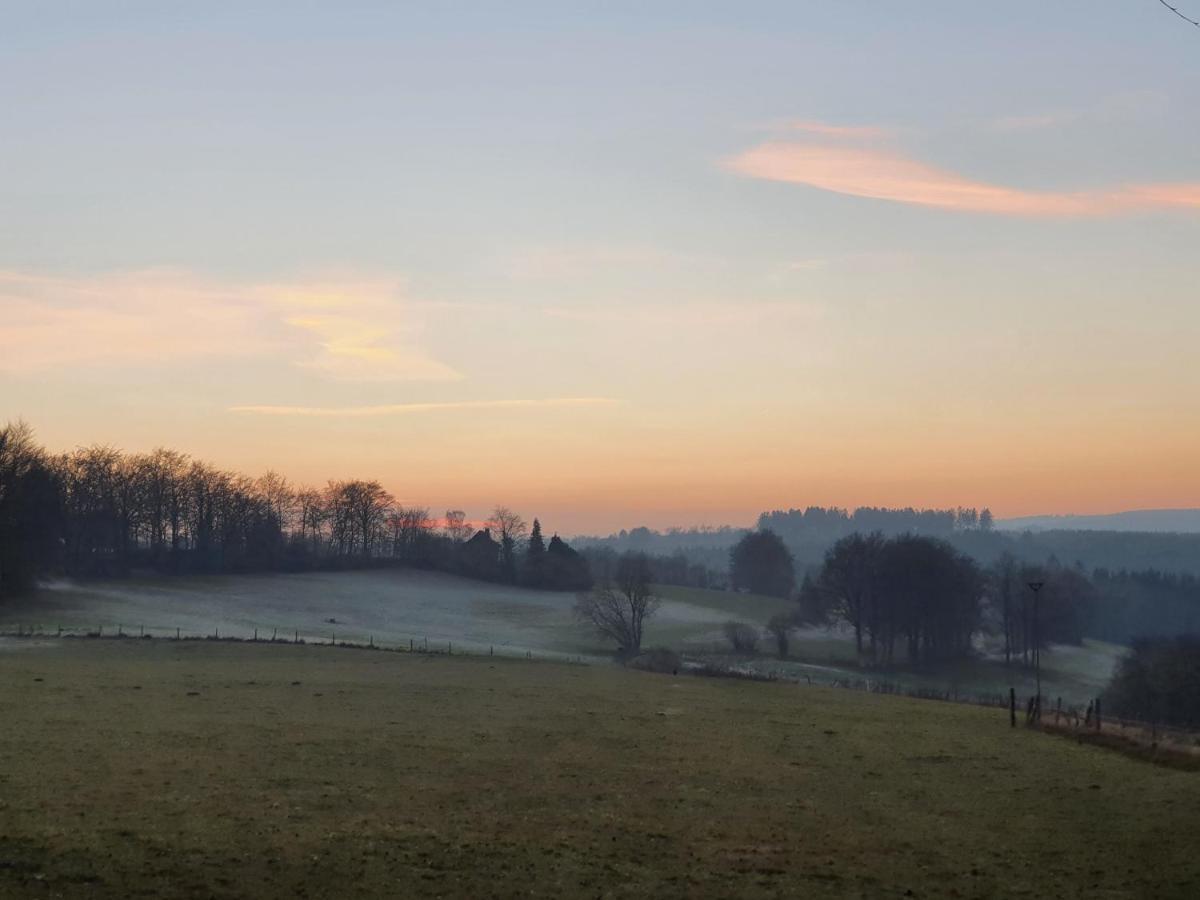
[(1039, 362)]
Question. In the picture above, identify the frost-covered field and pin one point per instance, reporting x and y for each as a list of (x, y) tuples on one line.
[(388, 606), (394, 607)]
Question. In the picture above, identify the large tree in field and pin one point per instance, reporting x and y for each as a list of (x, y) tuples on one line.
[(618, 610), (760, 563), (929, 594), (848, 581)]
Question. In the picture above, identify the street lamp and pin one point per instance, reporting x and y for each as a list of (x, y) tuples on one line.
[(1036, 587)]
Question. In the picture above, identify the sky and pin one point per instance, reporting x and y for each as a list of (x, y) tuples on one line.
[(614, 263)]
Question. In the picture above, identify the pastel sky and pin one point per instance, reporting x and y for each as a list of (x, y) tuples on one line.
[(614, 264)]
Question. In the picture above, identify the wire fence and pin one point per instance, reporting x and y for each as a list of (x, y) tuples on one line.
[(1073, 719), (350, 639)]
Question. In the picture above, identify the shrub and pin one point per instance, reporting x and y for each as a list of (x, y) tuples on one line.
[(657, 659), (711, 670), (780, 625), (1159, 681), (743, 638)]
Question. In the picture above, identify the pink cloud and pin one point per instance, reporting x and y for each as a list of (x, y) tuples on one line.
[(348, 329), (887, 175)]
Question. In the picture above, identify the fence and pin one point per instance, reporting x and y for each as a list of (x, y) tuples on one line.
[(274, 635), (1071, 720)]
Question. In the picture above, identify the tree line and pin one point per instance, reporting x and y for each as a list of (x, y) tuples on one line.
[(100, 511), (835, 522)]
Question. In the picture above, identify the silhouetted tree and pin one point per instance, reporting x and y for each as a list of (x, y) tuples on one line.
[(534, 569), (457, 529), (761, 563), (565, 569), (928, 593), (510, 530), (1159, 681), (848, 581), (31, 510)]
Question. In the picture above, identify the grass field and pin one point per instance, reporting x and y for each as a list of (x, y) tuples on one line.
[(198, 769)]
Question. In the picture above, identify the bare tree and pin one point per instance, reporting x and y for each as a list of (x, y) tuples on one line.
[(742, 637), (313, 514), (279, 497), (618, 610), (411, 528), (456, 527), (510, 530)]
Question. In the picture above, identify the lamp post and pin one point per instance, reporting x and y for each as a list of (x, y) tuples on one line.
[(1036, 587)]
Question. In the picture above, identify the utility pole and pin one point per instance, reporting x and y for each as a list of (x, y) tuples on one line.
[(1036, 587)]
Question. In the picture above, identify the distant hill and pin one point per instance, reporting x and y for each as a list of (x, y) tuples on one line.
[(1184, 521)]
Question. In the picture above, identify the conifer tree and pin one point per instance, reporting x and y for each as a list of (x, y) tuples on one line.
[(535, 557)]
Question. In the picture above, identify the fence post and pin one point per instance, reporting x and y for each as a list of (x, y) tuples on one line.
[(1098, 728), (1012, 706), (141, 631), (60, 631), (449, 648), (119, 634), (274, 631), (99, 631), (370, 640), (410, 645), (492, 650), (297, 635), (256, 635), (176, 634)]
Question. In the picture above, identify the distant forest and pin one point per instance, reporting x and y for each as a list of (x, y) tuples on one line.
[(1127, 584), (98, 511), (809, 532)]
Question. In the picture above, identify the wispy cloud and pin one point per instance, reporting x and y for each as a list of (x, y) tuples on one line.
[(693, 314), (346, 329), (402, 409), (548, 262), (1122, 108), (888, 175), (861, 132)]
